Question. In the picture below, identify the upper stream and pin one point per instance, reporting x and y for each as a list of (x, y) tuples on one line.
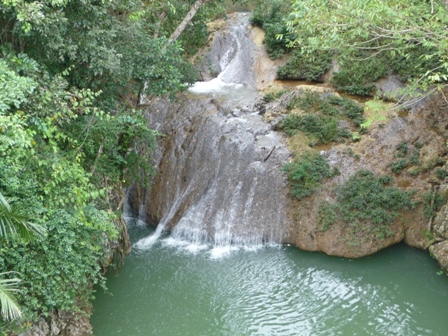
[(221, 269)]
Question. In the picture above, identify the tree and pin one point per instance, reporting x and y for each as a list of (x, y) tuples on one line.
[(351, 28)]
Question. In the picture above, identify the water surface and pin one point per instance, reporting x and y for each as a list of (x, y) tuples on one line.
[(172, 289)]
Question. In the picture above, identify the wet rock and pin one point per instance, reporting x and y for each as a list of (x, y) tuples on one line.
[(61, 324), (390, 88), (441, 222), (440, 253)]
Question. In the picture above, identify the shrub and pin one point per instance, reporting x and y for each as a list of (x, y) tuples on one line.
[(366, 197), (321, 129), (273, 96), (358, 76), (398, 166), (306, 173), (433, 201), (441, 173), (307, 67), (328, 104), (269, 16)]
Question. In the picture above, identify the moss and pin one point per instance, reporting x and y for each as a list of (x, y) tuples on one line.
[(366, 198), (306, 174)]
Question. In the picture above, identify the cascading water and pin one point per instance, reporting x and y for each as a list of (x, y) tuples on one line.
[(219, 182), (219, 179)]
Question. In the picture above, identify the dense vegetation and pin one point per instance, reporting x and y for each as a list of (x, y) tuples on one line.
[(368, 40), (321, 121), (71, 76)]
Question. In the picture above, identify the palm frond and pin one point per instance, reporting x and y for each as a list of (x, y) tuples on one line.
[(13, 223), (10, 309)]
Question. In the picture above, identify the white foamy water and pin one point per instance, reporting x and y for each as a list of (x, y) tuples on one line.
[(215, 85)]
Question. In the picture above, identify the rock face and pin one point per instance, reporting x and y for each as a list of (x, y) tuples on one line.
[(219, 175), (61, 324), (422, 129), (375, 152)]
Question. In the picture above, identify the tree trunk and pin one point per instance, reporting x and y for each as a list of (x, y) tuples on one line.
[(181, 27)]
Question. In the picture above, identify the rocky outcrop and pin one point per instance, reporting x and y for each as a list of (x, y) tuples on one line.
[(422, 129), (61, 324)]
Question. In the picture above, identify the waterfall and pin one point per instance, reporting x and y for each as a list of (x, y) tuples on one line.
[(218, 166)]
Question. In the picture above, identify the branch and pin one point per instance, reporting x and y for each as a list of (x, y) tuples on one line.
[(181, 27)]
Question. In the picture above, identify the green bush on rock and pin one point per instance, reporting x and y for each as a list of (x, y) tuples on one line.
[(306, 173), (365, 198), (307, 67)]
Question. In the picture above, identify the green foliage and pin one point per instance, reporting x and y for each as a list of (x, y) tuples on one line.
[(321, 129), (306, 174), (307, 67), (10, 309), (365, 198), (375, 37), (402, 150), (357, 75), (441, 173), (14, 89), (14, 222), (398, 166), (57, 273), (322, 125), (432, 201), (407, 156), (269, 15), (273, 96), (328, 104), (327, 215)]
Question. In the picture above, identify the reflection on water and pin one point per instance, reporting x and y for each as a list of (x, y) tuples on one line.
[(177, 289)]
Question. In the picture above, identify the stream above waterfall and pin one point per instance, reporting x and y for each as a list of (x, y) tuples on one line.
[(170, 290)]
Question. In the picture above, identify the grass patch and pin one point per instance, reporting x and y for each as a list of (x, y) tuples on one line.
[(306, 174)]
